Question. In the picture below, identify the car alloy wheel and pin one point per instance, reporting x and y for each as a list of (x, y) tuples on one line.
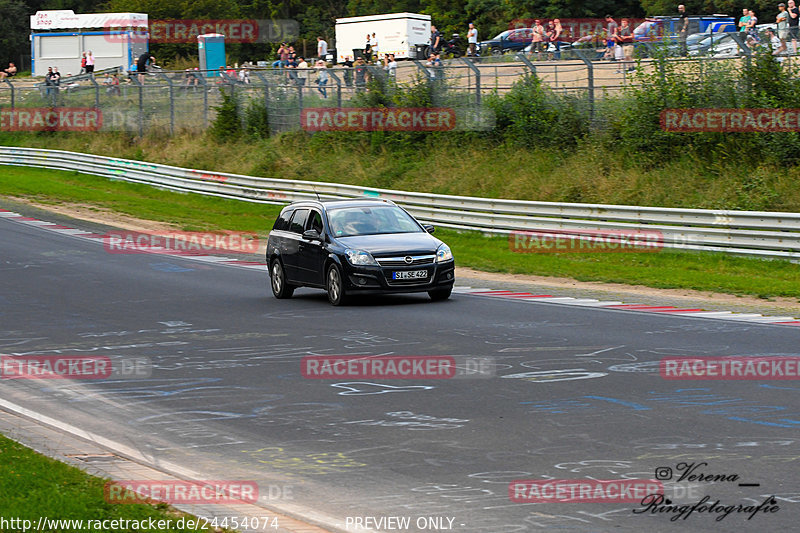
[(280, 288), (335, 286)]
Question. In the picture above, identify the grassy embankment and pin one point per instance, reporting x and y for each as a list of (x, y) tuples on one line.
[(587, 175)]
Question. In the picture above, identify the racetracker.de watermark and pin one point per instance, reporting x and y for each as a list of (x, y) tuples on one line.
[(583, 490), (181, 492), (51, 119), (730, 120), (396, 367), (175, 31), (730, 368), (135, 242), (73, 367), (585, 241), (378, 119)]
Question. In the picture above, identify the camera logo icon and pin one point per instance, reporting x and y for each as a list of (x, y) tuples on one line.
[(663, 473)]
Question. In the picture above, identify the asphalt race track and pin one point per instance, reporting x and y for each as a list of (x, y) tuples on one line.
[(577, 394)]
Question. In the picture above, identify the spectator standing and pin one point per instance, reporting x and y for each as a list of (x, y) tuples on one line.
[(283, 56), (745, 18), (10, 72), (375, 49), (348, 71), (291, 72), (472, 40), (361, 74), (683, 29), (537, 39), (368, 49), (112, 85), (782, 22), (244, 75), (302, 72), (322, 48), (83, 63), (625, 43), (752, 21), (436, 39), (141, 65), (794, 22), (90, 63), (390, 65), (558, 31), (322, 78), (611, 32)]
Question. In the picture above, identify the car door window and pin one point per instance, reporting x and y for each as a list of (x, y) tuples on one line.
[(298, 221), (314, 222), (282, 223)]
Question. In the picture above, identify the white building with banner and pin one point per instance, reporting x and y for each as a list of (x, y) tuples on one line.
[(59, 38)]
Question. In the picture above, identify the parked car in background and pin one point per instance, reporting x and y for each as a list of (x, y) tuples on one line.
[(509, 40)]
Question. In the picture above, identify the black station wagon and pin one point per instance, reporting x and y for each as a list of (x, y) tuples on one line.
[(356, 246)]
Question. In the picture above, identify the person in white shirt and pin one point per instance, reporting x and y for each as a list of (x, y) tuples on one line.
[(375, 46), (390, 65), (472, 39), (322, 48), (302, 72)]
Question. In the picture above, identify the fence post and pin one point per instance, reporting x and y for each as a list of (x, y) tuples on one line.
[(338, 87), (135, 79), (10, 86), (477, 73), (528, 63), (171, 103), (201, 78), (589, 80), (96, 91)]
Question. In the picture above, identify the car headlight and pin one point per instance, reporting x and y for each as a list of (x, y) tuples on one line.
[(360, 257), (444, 254)]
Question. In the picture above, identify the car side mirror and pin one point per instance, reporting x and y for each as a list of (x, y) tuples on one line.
[(312, 235), (429, 228)]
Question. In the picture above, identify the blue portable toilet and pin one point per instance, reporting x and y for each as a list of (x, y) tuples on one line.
[(212, 52)]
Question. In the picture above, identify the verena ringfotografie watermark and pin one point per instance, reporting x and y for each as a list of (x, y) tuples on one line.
[(51, 119), (730, 120), (181, 492), (396, 367), (730, 368), (134, 242), (582, 490), (73, 367), (585, 241)]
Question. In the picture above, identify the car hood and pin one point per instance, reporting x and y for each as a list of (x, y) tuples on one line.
[(393, 243)]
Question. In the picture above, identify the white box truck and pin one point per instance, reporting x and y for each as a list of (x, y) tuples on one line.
[(397, 33)]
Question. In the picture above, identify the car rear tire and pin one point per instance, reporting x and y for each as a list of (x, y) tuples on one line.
[(335, 286), (496, 51), (440, 294), (280, 287)]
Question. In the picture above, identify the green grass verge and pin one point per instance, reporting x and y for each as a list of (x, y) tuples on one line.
[(664, 269), (35, 486)]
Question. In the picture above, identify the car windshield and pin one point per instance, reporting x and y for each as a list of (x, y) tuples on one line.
[(368, 220), (503, 35)]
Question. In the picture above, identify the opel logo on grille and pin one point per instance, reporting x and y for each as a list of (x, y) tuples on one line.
[(408, 259)]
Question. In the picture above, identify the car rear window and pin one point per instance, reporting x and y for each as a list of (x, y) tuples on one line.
[(282, 224)]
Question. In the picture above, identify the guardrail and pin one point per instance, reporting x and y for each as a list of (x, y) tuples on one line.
[(753, 233)]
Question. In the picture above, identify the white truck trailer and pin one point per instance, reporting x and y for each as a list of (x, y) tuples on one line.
[(397, 33)]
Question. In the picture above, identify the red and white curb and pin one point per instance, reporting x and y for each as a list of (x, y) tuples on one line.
[(66, 230), (663, 309), (510, 295)]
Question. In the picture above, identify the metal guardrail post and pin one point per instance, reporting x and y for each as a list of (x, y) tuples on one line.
[(528, 63), (10, 86), (477, 73), (171, 102), (740, 41)]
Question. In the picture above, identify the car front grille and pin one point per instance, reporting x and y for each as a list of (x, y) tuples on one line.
[(401, 261)]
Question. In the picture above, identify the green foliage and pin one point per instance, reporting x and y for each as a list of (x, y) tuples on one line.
[(256, 119), (228, 124)]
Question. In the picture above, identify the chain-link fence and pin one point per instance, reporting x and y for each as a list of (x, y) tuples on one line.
[(169, 102)]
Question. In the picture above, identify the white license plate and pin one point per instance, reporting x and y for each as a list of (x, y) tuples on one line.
[(410, 274)]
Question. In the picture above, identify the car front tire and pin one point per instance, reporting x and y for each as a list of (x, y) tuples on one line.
[(280, 287), (440, 294), (335, 285)]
